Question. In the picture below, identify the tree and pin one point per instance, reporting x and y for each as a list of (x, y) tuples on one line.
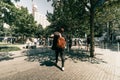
[(20, 21), (93, 5), (108, 17), (39, 31), (72, 13)]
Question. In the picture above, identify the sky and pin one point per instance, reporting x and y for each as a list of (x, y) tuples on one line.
[(42, 5)]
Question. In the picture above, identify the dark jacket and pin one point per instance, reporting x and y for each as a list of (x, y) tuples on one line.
[(55, 39)]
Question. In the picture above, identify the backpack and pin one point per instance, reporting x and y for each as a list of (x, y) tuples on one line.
[(61, 42)]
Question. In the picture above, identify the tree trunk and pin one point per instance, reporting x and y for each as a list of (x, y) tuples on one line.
[(92, 13)]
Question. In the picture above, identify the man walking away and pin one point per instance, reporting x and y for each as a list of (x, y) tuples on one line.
[(59, 50)]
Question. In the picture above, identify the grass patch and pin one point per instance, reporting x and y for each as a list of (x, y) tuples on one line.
[(8, 48)]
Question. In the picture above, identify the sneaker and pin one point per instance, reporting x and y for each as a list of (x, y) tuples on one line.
[(63, 68)]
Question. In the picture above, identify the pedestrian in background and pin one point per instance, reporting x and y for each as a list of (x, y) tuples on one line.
[(75, 42), (69, 42), (88, 42)]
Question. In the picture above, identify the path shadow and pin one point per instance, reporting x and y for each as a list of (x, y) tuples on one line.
[(49, 64), (5, 56), (84, 56), (45, 56)]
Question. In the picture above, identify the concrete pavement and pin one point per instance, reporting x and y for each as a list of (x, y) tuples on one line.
[(78, 66)]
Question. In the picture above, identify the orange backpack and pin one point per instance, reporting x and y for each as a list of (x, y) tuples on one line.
[(61, 42)]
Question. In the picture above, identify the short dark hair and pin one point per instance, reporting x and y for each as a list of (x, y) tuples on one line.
[(61, 29)]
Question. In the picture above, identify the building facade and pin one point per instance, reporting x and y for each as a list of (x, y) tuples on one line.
[(39, 18)]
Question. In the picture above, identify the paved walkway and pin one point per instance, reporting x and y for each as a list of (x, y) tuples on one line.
[(78, 66)]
